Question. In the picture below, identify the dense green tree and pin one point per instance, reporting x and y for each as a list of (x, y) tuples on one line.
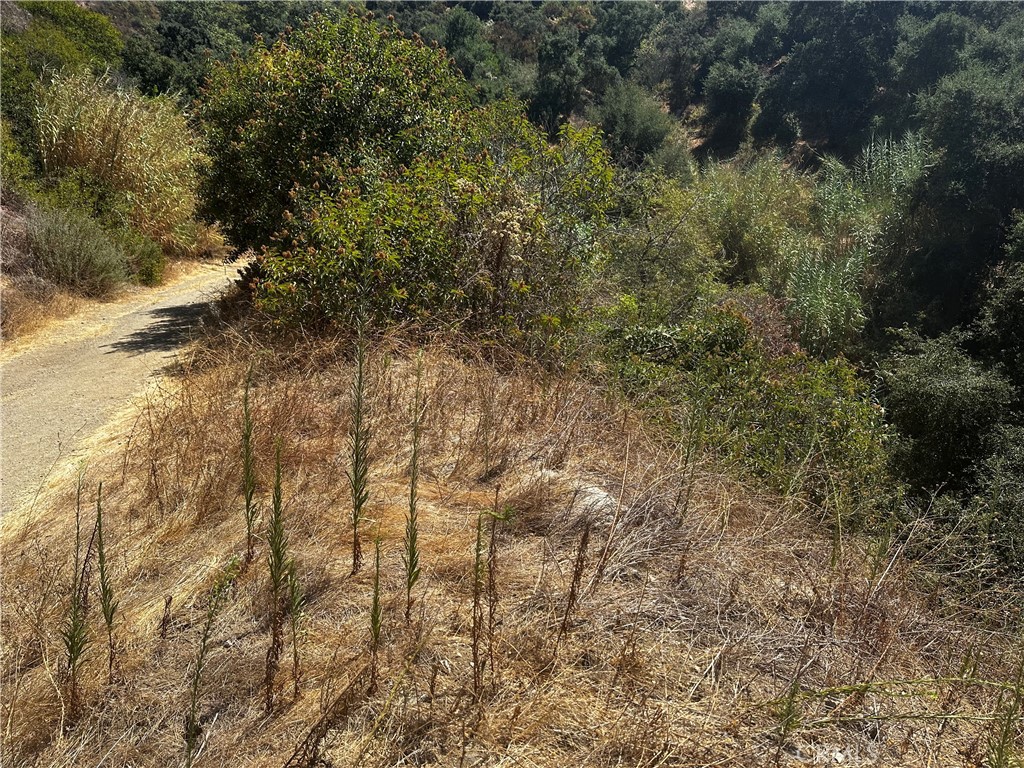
[(945, 406), (633, 120), (172, 51), (559, 87), (1000, 497), (729, 92), (669, 56), (516, 30), (358, 94), (928, 50), (624, 26), (1000, 325), (834, 68), (463, 38)]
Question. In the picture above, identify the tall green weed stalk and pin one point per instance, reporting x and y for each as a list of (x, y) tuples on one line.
[(213, 606), (359, 447), (108, 602), (411, 555), (75, 633)]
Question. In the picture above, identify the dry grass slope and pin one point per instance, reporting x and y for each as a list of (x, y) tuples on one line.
[(722, 637)]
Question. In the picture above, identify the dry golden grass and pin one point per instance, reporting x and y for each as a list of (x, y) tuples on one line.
[(690, 641), (29, 304)]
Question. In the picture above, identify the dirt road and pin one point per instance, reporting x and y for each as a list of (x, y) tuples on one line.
[(60, 387)]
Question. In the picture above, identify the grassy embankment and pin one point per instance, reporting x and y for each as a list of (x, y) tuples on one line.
[(568, 609)]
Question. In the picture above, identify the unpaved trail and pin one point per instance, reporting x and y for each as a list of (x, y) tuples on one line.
[(62, 386)]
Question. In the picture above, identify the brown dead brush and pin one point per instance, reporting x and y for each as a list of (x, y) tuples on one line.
[(722, 637)]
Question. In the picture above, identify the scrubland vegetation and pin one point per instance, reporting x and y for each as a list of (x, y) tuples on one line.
[(621, 384), (100, 182)]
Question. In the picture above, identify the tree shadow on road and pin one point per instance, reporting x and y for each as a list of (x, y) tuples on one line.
[(171, 329)]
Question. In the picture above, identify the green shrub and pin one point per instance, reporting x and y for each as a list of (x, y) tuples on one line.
[(632, 119), (820, 243), (729, 91), (718, 331), (72, 250), (1000, 327), (92, 32), (1002, 496), (145, 259), (353, 153), (944, 405), (731, 223), (17, 168), (807, 427), (138, 149), (672, 157), (347, 92), (499, 232)]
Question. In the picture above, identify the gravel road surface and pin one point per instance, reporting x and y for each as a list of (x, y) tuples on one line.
[(60, 387)]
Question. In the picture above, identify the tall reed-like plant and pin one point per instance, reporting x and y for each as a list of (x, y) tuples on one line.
[(108, 602), (75, 633), (359, 451), (411, 555), (140, 148), (213, 606)]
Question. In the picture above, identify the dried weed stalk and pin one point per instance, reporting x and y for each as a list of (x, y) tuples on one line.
[(411, 553), (279, 566)]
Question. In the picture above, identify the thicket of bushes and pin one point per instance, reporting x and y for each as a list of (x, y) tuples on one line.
[(382, 194), (107, 179), (730, 379), (380, 209)]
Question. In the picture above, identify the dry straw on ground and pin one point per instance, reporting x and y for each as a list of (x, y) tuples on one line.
[(722, 637)]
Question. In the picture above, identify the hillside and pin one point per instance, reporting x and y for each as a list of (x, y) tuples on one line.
[(621, 384), (699, 624)]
